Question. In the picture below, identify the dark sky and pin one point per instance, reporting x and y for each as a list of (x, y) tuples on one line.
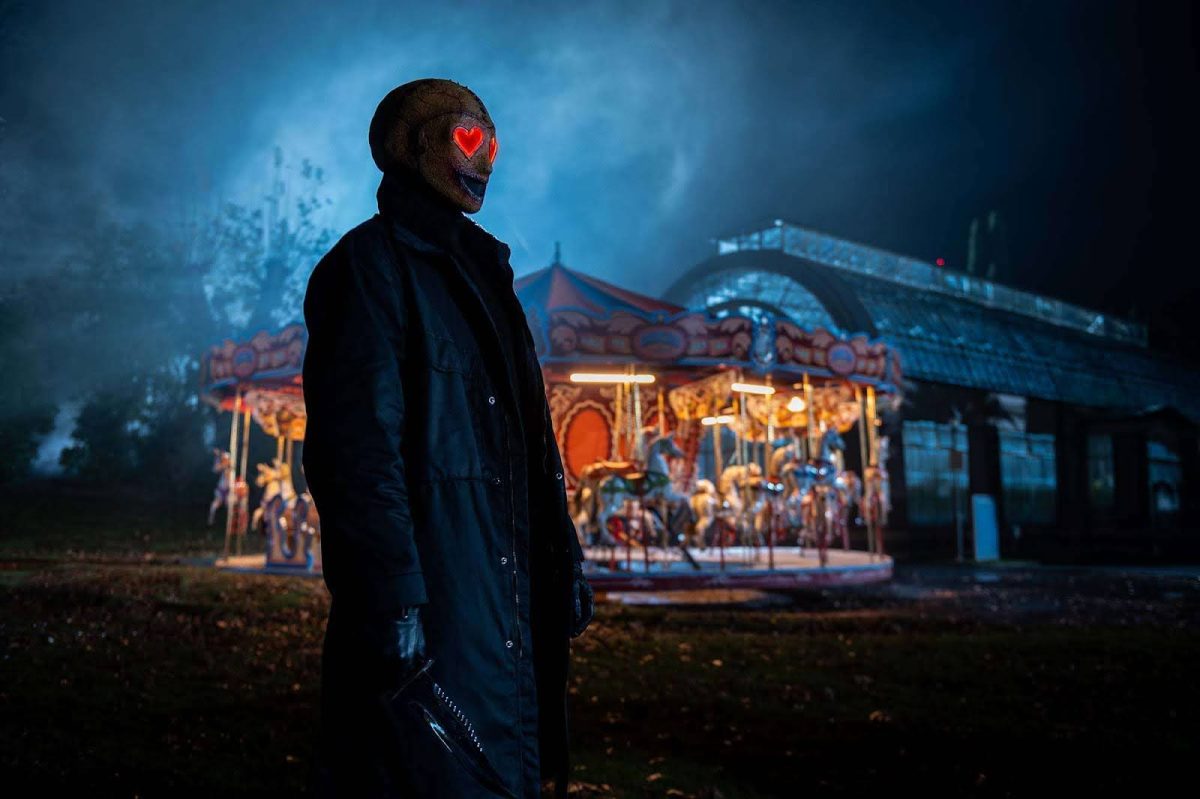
[(635, 131)]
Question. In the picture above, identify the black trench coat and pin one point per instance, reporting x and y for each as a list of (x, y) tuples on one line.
[(414, 462)]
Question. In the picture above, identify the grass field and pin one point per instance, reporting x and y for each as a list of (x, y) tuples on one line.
[(128, 672)]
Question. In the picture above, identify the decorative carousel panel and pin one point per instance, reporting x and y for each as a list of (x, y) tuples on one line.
[(278, 413), (774, 410), (264, 356), (587, 439), (706, 397), (858, 356), (836, 405)]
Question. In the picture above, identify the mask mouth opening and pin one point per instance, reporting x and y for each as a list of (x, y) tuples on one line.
[(474, 186)]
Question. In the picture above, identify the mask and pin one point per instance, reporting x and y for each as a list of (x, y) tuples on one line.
[(440, 131)]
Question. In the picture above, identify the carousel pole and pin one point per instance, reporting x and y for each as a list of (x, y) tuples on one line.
[(233, 431), (871, 417), (662, 411), (718, 466), (877, 543), (638, 443), (863, 449), (245, 457), (767, 475), (663, 508), (741, 432), (809, 428), (618, 421)]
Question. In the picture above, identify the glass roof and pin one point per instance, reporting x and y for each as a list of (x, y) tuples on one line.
[(748, 290), (946, 339), (850, 257)]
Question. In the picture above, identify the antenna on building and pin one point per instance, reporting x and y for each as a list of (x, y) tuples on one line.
[(557, 254), (987, 247)]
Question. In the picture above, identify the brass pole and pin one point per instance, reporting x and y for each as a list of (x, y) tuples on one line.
[(245, 457), (233, 431), (662, 413), (808, 404), (618, 422), (864, 433), (871, 418)]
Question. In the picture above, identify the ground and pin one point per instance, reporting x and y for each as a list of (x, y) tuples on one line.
[(129, 671)]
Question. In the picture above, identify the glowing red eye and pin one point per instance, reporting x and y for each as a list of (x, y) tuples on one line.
[(493, 146), (468, 140)]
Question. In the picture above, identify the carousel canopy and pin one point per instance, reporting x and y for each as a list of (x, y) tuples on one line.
[(263, 364), (558, 288), (577, 319)]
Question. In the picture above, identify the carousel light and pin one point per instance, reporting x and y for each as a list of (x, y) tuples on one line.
[(604, 377), (752, 388), (796, 405), (709, 421)]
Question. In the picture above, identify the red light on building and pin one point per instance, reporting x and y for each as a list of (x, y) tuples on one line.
[(940, 262)]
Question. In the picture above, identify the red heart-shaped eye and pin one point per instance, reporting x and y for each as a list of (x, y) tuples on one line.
[(493, 146), (468, 140)]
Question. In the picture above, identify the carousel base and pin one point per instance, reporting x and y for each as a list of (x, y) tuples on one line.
[(616, 569), (258, 565), (658, 569)]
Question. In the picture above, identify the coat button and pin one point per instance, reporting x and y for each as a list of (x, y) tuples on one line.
[(491, 400), (496, 480), (508, 644), (503, 561), (558, 475)]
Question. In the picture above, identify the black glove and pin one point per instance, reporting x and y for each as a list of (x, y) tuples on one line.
[(398, 642), (583, 601)]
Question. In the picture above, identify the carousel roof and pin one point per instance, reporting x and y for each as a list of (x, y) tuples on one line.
[(556, 287), (577, 319)]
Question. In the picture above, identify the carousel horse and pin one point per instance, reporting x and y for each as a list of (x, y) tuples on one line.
[(849, 494), (283, 515), (780, 458), (608, 488), (221, 464), (743, 493), (592, 507), (793, 484), (704, 503), (823, 500)]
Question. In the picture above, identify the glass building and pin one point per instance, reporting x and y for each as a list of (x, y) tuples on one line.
[(1085, 438)]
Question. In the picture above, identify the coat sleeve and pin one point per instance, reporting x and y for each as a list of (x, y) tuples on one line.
[(353, 456)]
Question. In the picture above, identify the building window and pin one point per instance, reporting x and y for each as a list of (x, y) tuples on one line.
[(1165, 477), (761, 288), (1101, 480), (932, 471), (1027, 477)]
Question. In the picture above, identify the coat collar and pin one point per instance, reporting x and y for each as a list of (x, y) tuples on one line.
[(426, 221)]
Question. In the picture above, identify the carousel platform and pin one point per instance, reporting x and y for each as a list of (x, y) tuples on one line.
[(257, 564), (754, 568), (655, 569)]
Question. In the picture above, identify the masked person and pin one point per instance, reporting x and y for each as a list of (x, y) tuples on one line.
[(431, 458)]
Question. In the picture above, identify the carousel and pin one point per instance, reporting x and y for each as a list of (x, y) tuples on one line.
[(699, 451), (705, 451), (259, 381)]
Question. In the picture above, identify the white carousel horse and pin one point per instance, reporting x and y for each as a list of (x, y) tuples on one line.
[(704, 503), (742, 490), (283, 515), (221, 462)]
